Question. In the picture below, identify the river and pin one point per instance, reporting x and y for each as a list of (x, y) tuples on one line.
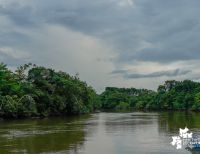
[(100, 133)]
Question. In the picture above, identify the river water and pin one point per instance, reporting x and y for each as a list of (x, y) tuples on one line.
[(101, 133)]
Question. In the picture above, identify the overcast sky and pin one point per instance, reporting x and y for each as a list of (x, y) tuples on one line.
[(123, 43)]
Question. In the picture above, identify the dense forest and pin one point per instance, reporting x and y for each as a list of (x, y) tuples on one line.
[(173, 95), (35, 91)]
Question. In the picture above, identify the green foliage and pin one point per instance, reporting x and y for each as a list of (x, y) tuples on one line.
[(27, 106), (122, 106), (9, 106), (173, 95), (196, 105), (12, 106), (39, 91)]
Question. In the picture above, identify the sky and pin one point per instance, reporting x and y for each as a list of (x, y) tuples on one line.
[(122, 43)]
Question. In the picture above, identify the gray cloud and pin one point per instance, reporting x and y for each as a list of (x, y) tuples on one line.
[(119, 72), (170, 73), (156, 31), (171, 27), (13, 57), (18, 13)]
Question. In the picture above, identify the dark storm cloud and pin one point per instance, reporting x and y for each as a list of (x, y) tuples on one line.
[(170, 73), (144, 30), (171, 28)]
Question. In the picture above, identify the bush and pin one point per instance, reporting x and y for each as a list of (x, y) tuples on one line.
[(27, 106), (9, 106), (123, 106)]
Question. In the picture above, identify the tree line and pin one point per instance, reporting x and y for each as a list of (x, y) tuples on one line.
[(38, 91), (33, 90), (172, 95)]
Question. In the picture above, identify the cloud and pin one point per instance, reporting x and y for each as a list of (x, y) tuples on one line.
[(125, 3), (119, 72), (169, 73), (18, 13), (96, 37), (64, 49), (14, 57), (10, 53), (169, 29)]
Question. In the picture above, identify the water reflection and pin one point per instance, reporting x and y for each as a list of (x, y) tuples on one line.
[(172, 121), (102, 133), (42, 135)]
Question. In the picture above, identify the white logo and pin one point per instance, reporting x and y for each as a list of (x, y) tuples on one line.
[(186, 139)]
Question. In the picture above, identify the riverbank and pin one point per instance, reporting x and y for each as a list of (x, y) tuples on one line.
[(35, 91)]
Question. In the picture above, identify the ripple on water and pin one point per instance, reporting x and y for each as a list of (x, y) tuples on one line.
[(26, 133)]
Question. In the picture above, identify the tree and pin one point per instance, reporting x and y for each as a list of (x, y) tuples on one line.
[(196, 105), (38, 91)]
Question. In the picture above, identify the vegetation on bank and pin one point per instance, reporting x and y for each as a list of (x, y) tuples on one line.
[(38, 91), (173, 95)]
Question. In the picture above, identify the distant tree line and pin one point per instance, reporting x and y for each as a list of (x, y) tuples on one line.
[(172, 95), (33, 90)]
